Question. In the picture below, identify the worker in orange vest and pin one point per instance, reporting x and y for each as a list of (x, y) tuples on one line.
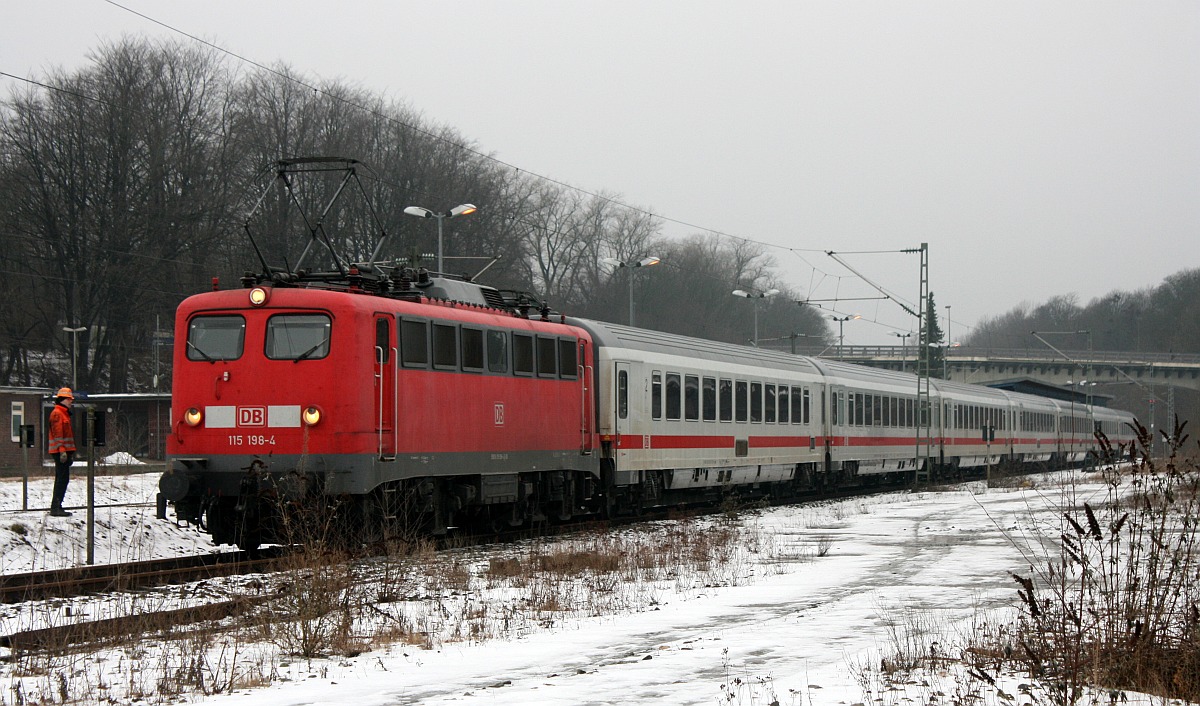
[(62, 448)]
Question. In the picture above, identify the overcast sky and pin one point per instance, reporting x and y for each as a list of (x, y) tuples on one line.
[(1039, 148)]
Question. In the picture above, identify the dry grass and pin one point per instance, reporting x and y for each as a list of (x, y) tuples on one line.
[(1118, 606)]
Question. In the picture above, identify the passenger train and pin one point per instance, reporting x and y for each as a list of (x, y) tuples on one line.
[(404, 398)]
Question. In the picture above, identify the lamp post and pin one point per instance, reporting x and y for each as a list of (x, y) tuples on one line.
[(759, 296), (841, 321), (464, 209), (903, 348), (74, 356), (644, 262), (1083, 386)]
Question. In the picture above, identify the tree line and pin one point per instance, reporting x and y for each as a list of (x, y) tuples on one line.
[(125, 187), (1159, 319)]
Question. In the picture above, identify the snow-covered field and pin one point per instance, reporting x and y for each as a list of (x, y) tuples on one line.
[(804, 611), (126, 529)]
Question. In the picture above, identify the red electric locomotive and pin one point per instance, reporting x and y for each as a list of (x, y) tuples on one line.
[(283, 394)]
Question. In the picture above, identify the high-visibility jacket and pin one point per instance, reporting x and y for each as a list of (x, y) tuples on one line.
[(62, 434)]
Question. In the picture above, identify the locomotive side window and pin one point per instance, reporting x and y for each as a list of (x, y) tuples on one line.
[(383, 344), (414, 343), (547, 356), (673, 395), (691, 397), (709, 394), (725, 399), (472, 349), (497, 351), (212, 338), (740, 409), (522, 354), (756, 406), (568, 360), (445, 347), (297, 336), (656, 395)]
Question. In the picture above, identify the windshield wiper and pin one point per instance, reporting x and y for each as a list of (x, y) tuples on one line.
[(310, 351), (196, 348)]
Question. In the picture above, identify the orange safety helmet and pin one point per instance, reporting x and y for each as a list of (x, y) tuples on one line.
[(65, 392)]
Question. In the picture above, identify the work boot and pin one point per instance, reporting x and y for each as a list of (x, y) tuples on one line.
[(59, 512)]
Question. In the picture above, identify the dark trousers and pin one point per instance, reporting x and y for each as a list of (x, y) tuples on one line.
[(62, 476)]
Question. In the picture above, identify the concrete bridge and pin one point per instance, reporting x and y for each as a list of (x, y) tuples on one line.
[(981, 366)]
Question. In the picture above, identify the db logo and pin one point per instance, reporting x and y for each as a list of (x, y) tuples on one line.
[(251, 416), (498, 410)]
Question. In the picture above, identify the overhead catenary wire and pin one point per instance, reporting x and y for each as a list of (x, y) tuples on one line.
[(824, 276)]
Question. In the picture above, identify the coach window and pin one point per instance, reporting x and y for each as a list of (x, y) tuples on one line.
[(445, 347), (297, 337), (213, 338), (769, 404), (383, 343), (784, 405), (725, 400), (656, 395), (497, 351), (740, 409), (472, 349), (691, 397), (547, 357), (756, 410), (673, 390), (568, 365), (708, 398), (807, 406), (623, 394), (522, 354), (414, 343)]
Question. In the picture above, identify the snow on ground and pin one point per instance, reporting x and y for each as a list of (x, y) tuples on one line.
[(126, 529), (803, 614)]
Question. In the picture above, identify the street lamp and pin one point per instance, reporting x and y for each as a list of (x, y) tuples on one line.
[(74, 357), (1087, 401), (751, 295), (644, 262), (841, 321), (903, 348), (464, 209)]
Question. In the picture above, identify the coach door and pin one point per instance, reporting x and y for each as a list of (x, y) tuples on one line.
[(386, 397), (622, 422)]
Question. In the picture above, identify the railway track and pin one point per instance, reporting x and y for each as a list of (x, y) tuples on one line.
[(83, 580), (79, 581)]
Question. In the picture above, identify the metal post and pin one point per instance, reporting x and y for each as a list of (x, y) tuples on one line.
[(924, 450), (91, 486), (630, 268), (24, 471), (440, 218), (756, 324)]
